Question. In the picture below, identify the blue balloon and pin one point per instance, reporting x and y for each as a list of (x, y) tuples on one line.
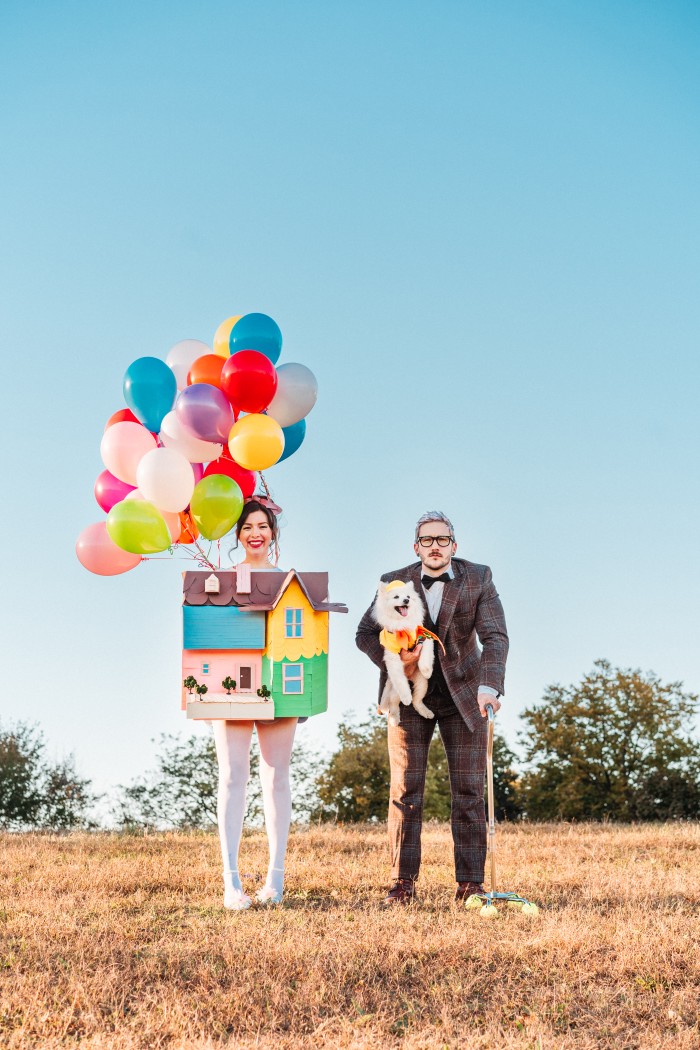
[(149, 390), (257, 332), (293, 437)]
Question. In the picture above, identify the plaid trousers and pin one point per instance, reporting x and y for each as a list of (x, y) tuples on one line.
[(409, 743)]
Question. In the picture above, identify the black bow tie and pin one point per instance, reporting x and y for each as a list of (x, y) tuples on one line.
[(428, 581)]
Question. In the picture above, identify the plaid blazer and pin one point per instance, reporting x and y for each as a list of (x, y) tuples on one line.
[(470, 609)]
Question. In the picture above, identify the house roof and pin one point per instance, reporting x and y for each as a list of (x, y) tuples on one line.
[(266, 590)]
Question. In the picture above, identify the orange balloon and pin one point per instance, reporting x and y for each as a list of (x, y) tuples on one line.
[(206, 369), (189, 531)]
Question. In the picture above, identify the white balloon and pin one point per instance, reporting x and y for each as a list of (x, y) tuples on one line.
[(296, 394), (173, 435), (122, 447), (166, 479), (182, 356), (171, 520)]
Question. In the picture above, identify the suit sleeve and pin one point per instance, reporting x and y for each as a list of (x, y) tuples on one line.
[(490, 626), (367, 638)]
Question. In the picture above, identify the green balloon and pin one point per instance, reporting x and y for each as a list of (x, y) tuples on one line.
[(216, 505), (138, 526)]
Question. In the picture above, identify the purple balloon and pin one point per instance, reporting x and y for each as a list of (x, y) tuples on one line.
[(110, 490), (205, 412), (198, 471)]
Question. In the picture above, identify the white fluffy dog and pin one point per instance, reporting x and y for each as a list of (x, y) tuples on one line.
[(399, 611)]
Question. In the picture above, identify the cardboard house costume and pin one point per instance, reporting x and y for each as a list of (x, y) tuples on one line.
[(267, 631)]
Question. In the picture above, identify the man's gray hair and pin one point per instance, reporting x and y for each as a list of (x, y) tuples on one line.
[(434, 515)]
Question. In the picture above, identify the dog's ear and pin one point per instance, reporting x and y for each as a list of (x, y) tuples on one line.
[(381, 589)]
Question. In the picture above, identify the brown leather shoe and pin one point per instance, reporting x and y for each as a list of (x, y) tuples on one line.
[(402, 892), (467, 889)]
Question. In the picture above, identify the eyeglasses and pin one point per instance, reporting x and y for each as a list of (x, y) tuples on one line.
[(442, 541)]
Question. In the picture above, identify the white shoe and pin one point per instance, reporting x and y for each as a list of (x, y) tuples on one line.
[(236, 900), (268, 895)]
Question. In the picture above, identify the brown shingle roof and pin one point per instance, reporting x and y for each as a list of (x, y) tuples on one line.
[(266, 589)]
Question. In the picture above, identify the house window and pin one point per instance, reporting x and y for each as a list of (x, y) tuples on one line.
[(205, 668), (245, 679), (292, 623), (292, 678)]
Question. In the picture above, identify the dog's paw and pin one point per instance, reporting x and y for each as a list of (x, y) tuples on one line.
[(407, 700), (424, 711)]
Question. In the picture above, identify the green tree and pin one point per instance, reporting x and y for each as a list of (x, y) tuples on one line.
[(506, 781), (181, 791), (354, 786), (615, 746), (35, 793)]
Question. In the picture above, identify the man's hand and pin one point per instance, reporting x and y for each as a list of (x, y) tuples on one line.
[(409, 658), (483, 699)]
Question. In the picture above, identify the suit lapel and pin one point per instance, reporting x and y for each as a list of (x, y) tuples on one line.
[(451, 594)]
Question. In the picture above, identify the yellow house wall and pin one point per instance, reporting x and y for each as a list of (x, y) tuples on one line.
[(314, 628)]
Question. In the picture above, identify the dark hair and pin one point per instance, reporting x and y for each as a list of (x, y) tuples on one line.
[(250, 507)]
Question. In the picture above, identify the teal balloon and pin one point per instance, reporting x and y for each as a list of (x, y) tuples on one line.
[(257, 332), (150, 389), (137, 526), (293, 437), (216, 505)]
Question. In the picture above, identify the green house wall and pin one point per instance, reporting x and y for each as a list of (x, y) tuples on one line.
[(314, 699)]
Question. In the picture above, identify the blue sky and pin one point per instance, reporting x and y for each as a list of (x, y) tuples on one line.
[(477, 223)]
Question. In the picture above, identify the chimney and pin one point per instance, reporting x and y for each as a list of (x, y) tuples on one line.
[(243, 579)]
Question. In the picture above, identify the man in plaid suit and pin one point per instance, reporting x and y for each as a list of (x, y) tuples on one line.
[(462, 605)]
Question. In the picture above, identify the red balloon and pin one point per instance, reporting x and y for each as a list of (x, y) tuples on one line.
[(245, 479), (124, 415), (249, 380)]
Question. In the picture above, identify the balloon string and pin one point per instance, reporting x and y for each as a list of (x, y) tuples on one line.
[(264, 484), (267, 493)]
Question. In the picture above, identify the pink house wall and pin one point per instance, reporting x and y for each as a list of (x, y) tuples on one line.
[(222, 663)]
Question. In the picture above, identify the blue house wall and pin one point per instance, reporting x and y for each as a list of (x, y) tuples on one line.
[(222, 627)]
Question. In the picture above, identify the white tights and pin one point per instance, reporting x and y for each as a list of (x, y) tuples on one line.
[(233, 741)]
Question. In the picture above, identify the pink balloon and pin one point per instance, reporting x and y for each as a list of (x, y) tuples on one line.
[(110, 490), (198, 469), (122, 448), (97, 553)]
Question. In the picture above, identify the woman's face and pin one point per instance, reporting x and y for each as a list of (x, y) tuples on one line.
[(255, 534)]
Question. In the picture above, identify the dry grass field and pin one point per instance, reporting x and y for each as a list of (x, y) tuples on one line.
[(121, 942)]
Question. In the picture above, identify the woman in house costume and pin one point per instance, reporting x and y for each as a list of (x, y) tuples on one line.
[(257, 532)]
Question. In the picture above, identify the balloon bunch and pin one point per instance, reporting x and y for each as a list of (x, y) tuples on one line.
[(200, 428)]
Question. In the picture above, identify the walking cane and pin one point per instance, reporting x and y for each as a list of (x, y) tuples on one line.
[(485, 902)]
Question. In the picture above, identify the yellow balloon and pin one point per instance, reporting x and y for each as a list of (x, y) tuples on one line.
[(256, 441), (223, 334)]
